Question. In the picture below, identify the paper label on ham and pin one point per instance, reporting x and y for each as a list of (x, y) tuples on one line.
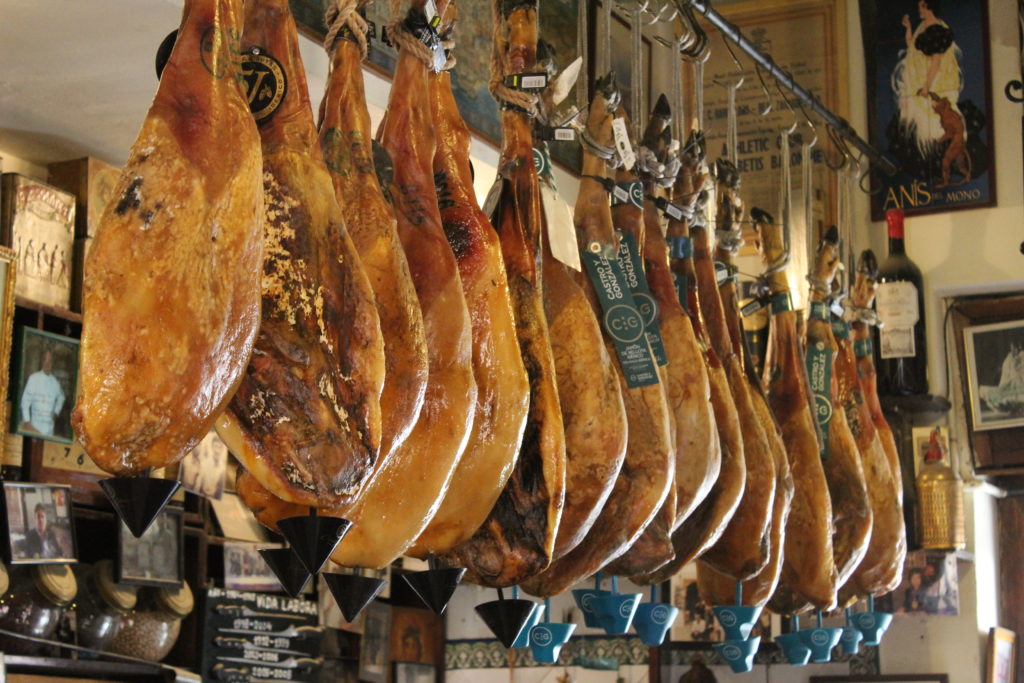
[(819, 373), (862, 348), (621, 320), (561, 231), (629, 258), (622, 144)]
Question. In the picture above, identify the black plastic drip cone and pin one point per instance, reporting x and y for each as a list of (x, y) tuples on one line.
[(435, 587), (353, 592), (138, 500), (287, 568), (506, 618), (313, 537)]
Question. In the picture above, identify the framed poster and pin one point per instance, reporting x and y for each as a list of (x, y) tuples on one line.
[(808, 39), (157, 557), (930, 104), (46, 381), (39, 524), (473, 31)]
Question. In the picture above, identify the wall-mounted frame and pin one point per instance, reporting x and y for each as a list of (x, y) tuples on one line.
[(929, 100), (994, 354), (39, 524), (45, 385), (893, 678), (373, 652), (558, 25), (1002, 648), (620, 58), (996, 450), (157, 558)]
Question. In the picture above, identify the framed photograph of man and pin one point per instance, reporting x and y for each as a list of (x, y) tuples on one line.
[(203, 470), (39, 524), (46, 380), (156, 558), (995, 372)]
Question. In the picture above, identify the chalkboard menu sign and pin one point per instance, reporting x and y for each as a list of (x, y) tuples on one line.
[(257, 637)]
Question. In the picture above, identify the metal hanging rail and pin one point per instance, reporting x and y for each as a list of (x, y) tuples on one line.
[(841, 125)]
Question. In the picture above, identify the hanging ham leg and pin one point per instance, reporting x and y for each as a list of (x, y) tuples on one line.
[(742, 551), (172, 283), (882, 566), (715, 587), (653, 549), (851, 510), (503, 397), (708, 521), (306, 419), (518, 538), (808, 570), (346, 141), (403, 497), (588, 389), (647, 473)]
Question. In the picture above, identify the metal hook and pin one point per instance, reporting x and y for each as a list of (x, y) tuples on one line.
[(846, 156)]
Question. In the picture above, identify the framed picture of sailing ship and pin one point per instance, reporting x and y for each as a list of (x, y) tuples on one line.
[(930, 104), (995, 372)]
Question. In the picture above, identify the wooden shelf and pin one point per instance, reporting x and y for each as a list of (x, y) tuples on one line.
[(54, 311)]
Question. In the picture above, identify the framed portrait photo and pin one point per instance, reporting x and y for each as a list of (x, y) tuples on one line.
[(45, 384), (373, 652), (156, 558), (39, 524), (1002, 645), (246, 570), (203, 470), (995, 373), (413, 672)]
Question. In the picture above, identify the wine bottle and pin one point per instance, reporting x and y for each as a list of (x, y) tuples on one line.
[(900, 343)]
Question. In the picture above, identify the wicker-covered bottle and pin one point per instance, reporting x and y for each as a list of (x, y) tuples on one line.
[(941, 496)]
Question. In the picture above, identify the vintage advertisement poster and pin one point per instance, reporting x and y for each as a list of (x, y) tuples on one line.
[(781, 30), (929, 104)]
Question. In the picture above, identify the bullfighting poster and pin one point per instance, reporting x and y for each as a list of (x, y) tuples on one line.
[(929, 103)]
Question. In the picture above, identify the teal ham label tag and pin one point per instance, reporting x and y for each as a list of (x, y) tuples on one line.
[(636, 278), (621, 319), (782, 302), (819, 310), (819, 374), (862, 347), (840, 328)]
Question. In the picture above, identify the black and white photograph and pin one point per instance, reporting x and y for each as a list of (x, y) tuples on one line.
[(39, 524), (155, 559), (696, 621), (246, 570), (995, 371), (202, 470), (46, 378), (373, 654), (413, 672)]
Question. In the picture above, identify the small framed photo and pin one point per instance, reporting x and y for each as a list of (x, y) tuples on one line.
[(203, 470), (246, 570), (155, 559), (373, 655), (995, 373), (413, 672), (46, 381), (1002, 646), (39, 524)]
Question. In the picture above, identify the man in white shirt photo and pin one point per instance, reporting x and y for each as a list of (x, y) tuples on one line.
[(42, 399)]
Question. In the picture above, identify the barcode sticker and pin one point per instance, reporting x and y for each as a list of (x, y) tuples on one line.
[(620, 193), (536, 81), (674, 212), (561, 230), (622, 144), (567, 134)]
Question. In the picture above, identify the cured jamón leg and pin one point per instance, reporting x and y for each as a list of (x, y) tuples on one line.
[(400, 501), (647, 473), (503, 397), (346, 141), (518, 538), (882, 567), (588, 389), (851, 510), (717, 588), (172, 282), (653, 549), (808, 570), (708, 521), (306, 420), (742, 551)]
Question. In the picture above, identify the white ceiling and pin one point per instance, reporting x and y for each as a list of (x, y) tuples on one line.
[(77, 76)]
